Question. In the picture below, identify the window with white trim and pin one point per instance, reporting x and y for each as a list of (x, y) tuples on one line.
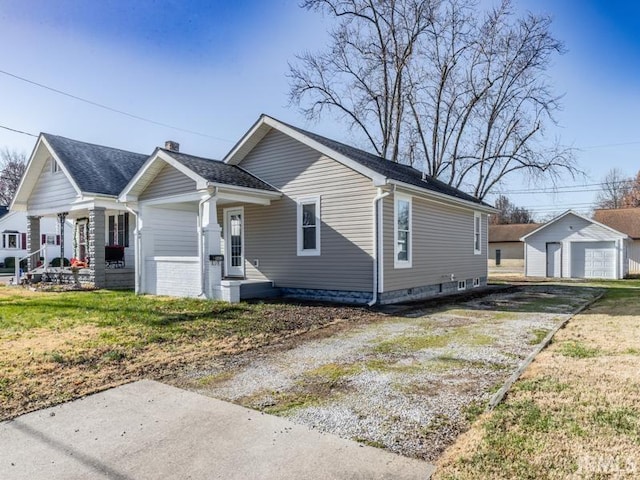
[(462, 284), (476, 282), (308, 226), (403, 245), (54, 166), (118, 230), (50, 239), (477, 233), (11, 240)]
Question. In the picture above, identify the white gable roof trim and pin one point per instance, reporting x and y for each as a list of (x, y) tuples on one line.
[(32, 173), (238, 153), (571, 212)]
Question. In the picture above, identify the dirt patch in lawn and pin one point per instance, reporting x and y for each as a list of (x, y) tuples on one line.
[(575, 413), (56, 347), (409, 384)]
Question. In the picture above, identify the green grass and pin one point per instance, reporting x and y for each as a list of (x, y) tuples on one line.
[(422, 341), (577, 349), (538, 335), (625, 421)]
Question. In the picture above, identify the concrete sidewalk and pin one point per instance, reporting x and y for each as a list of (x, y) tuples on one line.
[(148, 430)]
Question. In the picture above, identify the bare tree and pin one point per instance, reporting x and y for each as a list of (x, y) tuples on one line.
[(437, 84), (509, 213), (632, 197), (616, 190), (12, 166)]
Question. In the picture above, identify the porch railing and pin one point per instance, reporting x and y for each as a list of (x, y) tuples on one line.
[(18, 270)]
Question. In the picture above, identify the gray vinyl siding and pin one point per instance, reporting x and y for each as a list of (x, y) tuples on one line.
[(346, 227), (174, 231), (566, 230), (169, 181), (442, 240), (52, 190)]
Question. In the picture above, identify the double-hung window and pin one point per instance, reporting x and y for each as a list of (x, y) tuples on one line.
[(403, 245), (308, 226), (12, 240), (477, 235), (119, 230)]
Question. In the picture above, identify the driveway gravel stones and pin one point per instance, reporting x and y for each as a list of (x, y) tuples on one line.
[(407, 384)]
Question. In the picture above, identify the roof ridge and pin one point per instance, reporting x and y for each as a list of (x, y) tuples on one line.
[(45, 134)]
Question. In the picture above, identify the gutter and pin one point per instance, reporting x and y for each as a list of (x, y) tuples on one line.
[(376, 228)]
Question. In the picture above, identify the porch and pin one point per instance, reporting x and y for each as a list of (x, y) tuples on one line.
[(100, 248)]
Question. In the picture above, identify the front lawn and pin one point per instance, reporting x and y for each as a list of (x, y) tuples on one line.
[(59, 346), (575, 413)]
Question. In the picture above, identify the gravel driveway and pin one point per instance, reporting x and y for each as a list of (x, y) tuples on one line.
[(408, 384)]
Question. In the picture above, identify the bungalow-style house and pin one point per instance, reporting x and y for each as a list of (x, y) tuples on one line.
[(13, 228), (574, 246), (287, 212), (625, 220), (506, 250)]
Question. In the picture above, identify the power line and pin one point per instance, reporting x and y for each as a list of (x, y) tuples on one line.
[(18, 131), (111, 109)]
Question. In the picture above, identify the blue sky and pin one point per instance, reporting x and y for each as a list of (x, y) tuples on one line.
[(214, 66)]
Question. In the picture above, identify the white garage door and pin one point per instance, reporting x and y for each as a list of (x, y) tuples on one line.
[(593, 260)]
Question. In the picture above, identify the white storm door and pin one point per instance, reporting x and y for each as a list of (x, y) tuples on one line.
[(234, 242)]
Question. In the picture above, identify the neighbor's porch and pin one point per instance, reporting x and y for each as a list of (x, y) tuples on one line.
[(101, 251)]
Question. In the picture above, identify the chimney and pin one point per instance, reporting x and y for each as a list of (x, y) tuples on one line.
[(171, 145)]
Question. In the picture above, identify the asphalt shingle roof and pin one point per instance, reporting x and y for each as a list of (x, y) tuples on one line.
[(625, 220), (95, 168), (512, 232), (392, 170), (219, 172)]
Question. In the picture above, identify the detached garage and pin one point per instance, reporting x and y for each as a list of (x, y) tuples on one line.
[(573, 246)]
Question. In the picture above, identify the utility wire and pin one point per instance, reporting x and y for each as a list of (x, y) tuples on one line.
[(18, 131), (111, 109)]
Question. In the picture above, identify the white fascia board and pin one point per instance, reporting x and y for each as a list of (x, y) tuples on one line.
[(445, 199), (130, 194), (249, 190), (571, 212), (233, 157), (194, 196), (127, 190), (30, 176), (62, 166)]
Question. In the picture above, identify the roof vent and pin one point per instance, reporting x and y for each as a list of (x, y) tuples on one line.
[(171, 145)]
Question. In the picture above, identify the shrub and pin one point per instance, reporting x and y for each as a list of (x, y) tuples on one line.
[(56, 262)]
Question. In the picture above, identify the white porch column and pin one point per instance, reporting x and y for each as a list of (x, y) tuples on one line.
[(145, 247), (210, 234)]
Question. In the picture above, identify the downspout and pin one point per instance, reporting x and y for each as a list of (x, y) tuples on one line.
[(376, 246), (201, 237), (137, 251)]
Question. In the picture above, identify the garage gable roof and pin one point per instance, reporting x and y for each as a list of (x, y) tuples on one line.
[(571, 212)]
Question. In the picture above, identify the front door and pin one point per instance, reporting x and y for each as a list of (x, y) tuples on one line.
[(554, 260), (233, 242)]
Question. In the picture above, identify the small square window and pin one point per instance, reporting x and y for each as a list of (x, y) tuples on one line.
[(50, 239), (476, 282), (462, 285)]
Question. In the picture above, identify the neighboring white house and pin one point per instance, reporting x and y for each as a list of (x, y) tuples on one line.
[(625, 220), (573, 246), (13, 228)]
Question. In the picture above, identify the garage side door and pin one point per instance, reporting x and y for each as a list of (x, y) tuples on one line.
[(593, 260)]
